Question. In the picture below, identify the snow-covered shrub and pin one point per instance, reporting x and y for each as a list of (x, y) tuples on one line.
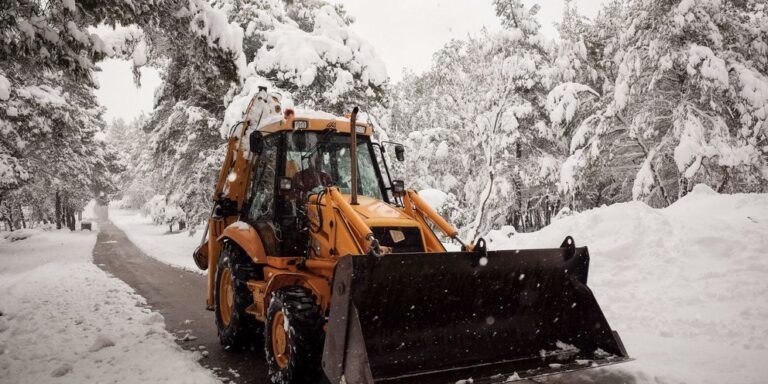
[(164, 213), (155, 209), (20, 234), (174, 215)]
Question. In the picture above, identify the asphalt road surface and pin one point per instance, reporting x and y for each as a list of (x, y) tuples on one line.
[(179, 296)]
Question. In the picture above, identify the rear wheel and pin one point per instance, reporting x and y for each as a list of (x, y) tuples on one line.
[(294, 337), (231, 297)]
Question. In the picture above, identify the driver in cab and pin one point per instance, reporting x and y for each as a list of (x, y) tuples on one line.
[(312, 177)]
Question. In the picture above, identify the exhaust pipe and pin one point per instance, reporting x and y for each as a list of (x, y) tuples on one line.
[(353, 155)]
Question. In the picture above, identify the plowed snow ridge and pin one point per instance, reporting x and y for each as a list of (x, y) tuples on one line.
[(685, 286), (64, 320)]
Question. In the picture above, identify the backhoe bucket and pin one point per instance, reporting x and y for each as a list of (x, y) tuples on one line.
[(442, 317)]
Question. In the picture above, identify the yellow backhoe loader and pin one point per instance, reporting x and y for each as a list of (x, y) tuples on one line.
[(313, 245)]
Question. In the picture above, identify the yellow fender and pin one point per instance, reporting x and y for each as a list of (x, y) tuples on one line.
[(317, 285), (246, 237)]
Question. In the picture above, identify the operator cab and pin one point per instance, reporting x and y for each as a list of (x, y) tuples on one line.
[(315, 160), (291, 165)]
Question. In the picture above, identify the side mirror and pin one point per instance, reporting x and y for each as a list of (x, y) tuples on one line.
[(400, 152), (256, 142)]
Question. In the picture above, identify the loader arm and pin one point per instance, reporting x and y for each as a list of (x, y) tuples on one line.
[(361, 230), (228, 197), (422, 212)]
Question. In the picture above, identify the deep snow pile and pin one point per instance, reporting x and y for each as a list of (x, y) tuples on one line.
[(685, 286), (64, 320), (174, 249)]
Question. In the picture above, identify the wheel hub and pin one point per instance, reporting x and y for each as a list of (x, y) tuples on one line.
[(226, 296), (280, 340)]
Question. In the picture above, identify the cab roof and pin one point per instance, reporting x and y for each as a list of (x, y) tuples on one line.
[(308, 120)]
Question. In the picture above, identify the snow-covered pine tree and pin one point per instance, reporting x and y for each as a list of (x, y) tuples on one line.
[(200, 55), (482, 109), (49, 117), (130, 140), (688, 90), (319, 60), (589, 178), (207, 84)]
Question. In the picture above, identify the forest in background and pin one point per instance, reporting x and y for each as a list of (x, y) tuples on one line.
[(642, 102)]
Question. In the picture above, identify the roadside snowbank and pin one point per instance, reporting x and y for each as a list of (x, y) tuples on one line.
[(685, 286), (174, 249), (64, 320)]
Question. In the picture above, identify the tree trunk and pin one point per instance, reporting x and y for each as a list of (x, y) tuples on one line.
[(682, 187), (79, 215), (481, 213), (724, 182), (71, 219), (11, 220), (67, 221), (58, 210), (21, 216)]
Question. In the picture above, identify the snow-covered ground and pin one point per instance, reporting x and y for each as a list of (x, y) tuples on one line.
[(155, 241), (64, 320), (686, 286)]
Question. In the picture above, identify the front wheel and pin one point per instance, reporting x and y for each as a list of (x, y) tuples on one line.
[(231, 296), (294, 337)]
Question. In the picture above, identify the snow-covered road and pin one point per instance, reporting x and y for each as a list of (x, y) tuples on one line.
[(179, 296), (64, 320), (686, 286), (174, 249)]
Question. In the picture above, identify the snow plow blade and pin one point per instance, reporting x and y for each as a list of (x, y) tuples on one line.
[(489, 316)]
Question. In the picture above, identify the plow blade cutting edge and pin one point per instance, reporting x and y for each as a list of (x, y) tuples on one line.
[(450, 316)]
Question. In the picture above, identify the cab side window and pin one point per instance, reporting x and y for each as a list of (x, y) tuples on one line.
[(261, 206)]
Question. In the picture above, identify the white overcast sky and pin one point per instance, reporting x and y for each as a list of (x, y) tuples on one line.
[(405, 33)]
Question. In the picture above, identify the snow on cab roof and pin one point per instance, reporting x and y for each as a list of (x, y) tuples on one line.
[(301, 114), (317, 120)]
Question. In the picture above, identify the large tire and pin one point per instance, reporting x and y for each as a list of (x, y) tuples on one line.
[(231, 297), (296, 360)]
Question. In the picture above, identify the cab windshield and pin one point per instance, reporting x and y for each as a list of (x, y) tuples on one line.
[(317, 159)]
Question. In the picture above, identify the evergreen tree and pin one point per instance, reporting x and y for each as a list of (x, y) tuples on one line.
[(682, 93), (482, 108)]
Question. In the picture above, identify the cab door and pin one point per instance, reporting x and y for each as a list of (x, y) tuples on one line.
[(260, 209)]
